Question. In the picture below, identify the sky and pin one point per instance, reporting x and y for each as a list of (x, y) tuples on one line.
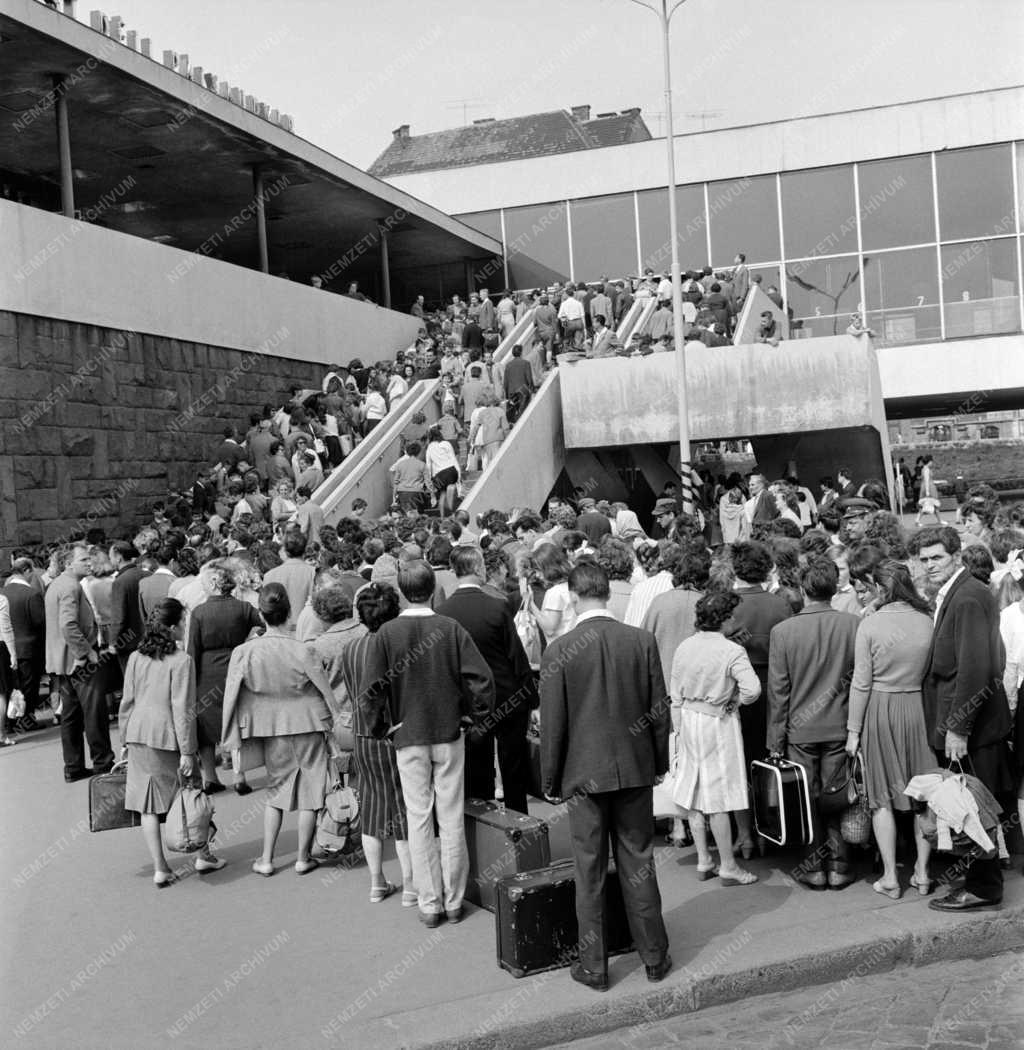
[(349, 73)]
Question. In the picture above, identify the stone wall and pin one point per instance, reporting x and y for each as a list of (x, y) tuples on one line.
[(98, 423)]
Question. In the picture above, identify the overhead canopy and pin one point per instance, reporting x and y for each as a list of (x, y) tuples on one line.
[(159, 156)]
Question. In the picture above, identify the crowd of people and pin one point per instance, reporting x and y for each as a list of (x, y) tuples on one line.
[(236, 630)]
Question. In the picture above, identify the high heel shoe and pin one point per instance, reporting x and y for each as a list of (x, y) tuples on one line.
[(924, 886)]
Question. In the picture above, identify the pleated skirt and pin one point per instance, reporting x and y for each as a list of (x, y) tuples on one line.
[(296, 771), (894, 746), (381, 804), (711, 774), (152, 779)]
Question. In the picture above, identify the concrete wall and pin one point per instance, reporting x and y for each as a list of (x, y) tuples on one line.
[(98, 423), (741, 391), (530, 460), (72, 271)]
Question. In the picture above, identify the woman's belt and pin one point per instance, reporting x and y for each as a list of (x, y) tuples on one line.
[(704, 707)]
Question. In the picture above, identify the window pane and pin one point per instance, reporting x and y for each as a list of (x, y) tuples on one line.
[(821, 295), (769, 276), (603, 237), (979, 288), (818, 214), (744, 217), (975, 192), (897, 205), (655, 243), (488, 222), (538, 244), (901, 295)]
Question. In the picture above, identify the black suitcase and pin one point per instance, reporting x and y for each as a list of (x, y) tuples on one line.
[(536, 783), (501, 842), (106, 801), (782, 802), (535, 919)]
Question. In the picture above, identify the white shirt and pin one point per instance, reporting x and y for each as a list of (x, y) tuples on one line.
[(440, 456), (665, 289), (570, 310), (1011, 627), (944, 590)]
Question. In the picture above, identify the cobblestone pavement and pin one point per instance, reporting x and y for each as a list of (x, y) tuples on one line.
[(971, 1005)]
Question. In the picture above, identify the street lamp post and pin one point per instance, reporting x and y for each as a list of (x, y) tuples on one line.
[(664, 13)]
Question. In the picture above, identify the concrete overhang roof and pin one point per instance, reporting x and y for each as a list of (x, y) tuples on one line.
[(158, 156)]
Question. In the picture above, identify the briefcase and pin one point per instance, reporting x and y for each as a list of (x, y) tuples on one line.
[(782, 802), (535, 919), (535, 785), (501, 842), (106, 801)]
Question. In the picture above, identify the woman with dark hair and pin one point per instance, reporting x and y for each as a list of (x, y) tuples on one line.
[(557, 614), (279, 467), (375, 407), (978, 562), (862, 562), (886, 717), (215, 629), (443, 468), (382, 807), (278, 698), (616, 558), (158, 730), (885, 531), (711, 679)]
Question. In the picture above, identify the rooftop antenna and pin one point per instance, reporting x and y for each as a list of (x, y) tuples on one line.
[(703, 116), (466, 104)]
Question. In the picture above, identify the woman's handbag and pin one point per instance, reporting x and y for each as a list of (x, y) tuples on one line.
[(337, 824), (846, 788), (529, 635), (189, 826), (106, 801), (16, 705), (855, 824), (345, 440)]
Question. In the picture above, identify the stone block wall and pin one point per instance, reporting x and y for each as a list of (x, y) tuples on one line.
[(97, 423)]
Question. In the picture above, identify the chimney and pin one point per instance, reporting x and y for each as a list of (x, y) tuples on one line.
[(581, 112), (631, 112), (402, 133)]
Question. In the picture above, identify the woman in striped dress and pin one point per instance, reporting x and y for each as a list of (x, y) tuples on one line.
[(711, 677), (381, 804)]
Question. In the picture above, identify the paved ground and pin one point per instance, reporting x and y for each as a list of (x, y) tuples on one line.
[(96, 958), (947, 1006)]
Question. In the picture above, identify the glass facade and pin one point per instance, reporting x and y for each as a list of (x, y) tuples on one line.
[(927, 246)]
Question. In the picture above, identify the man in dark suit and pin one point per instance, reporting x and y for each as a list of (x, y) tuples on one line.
[(472, 336), (72, 660), (518, 384), (490, 625), (28, 618), (604, 743), (126, 613), (229, 452), (810, 667), (965, 707), (847, 488)]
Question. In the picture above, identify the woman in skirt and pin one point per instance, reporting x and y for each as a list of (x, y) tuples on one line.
[(158, 729), (886, 717), (277, 700), (215, 629), (381, 804), (711, 678), (443, 468)]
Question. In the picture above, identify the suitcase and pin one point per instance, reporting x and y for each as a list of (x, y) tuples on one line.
[(500, 842), (106, 801), (535, 919), (782, 802)]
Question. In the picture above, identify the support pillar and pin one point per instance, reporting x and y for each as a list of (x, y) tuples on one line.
[(261, 218), (467, 265), (385, 266), (67, 174)]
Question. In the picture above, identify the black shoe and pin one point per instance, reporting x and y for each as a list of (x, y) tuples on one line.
[(961, 900), (455, 917), (431, 919), (215, 787), (245, 788), (659, 971), (77, 774), (598, 981), (839, 880), (103, 769)]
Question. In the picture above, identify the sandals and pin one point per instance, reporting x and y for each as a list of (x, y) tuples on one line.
[(163, 879), (266, 870), (741, 878), (381, 893), (410, 898), (892, 892), (703, 874), (304, 867), (924, 886)]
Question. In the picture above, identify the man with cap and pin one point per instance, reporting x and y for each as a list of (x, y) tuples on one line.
[(856, 515), (663, 515), (591, 523)]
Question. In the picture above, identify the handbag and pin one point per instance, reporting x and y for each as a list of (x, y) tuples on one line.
[(345, 440), (337, 824), (855, 824), (529, 635), (106, 801), (16, 705), (846, 787), (189, 826)]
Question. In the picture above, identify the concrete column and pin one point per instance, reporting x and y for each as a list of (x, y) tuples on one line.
[(67, 174), (261, 218), (467, 265), (385, 266)]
